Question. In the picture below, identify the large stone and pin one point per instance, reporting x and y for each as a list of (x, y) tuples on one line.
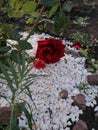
[(80, 125), (80, 101), (63, 94), (5, 114), (92, 79)]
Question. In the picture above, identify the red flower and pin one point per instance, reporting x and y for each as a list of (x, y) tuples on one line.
[(50, 50), (77, 46), (39, 64)]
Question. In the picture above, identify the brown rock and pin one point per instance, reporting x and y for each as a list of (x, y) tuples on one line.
[(80, 101), (63, 94), (80, 125), (92, 79), (5, 114)]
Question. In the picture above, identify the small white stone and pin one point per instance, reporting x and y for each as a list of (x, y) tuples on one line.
[(96, 108)]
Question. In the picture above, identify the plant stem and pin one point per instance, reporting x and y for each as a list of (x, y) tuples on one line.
[(13, 101), (36, 23), (60, 5), (12, 114)]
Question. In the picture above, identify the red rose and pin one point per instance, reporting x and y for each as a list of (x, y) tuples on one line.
[(50, 50), (77, 46), (39, 64)]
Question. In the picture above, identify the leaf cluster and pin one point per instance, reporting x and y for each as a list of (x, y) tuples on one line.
[(58, 14)]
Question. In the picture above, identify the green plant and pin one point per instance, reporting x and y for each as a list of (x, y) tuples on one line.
[(92, 65), (81, 38), (81, 21), (8, 50), (18, 79), (83, 86)]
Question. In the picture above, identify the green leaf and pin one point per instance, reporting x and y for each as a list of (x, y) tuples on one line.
[(12, 3), (14, 54), (3, 60), (16, 13), (60, 22), (24, 45), (5, 97), (28, 82), (29, 7), (7, 77), (23, 67), (66, 25), (68, 5), (4, 49), (28, 116), (83, 52), (53, 10), (13, 71), (18, 4), (14, 125), (49, 3), (26, 86), (28, 70), (32, 18), (30, 95), (10, 31)]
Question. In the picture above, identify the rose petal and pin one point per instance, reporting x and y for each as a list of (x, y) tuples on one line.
[(39, 64), (77, 46)]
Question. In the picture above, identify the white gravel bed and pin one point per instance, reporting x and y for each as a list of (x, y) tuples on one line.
[(52, 112)]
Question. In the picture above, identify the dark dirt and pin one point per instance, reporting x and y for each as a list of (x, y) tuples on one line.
[(92, 13), (92, 27)]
